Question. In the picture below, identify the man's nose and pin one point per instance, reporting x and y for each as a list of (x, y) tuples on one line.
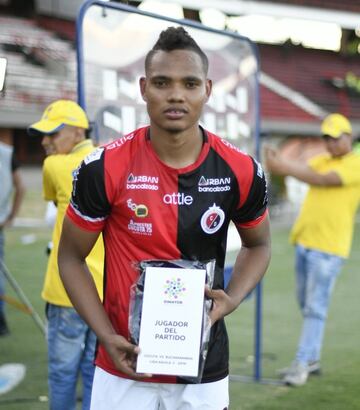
[(176, 93), (45, 140)]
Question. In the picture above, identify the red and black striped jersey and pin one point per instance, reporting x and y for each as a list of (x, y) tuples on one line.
[(148, 210)]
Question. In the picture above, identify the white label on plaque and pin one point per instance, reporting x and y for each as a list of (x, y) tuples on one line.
[(171, 321)]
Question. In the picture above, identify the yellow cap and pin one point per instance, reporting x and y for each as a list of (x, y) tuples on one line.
[(334, 125), (57, 115)]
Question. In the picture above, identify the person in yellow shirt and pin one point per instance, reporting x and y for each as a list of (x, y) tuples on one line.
[(322, 233), (71, 343)]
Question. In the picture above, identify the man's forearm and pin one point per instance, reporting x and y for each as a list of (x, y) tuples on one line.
[(18, 195), (83, 294), (305, 174), (18, 198), (249, 268)]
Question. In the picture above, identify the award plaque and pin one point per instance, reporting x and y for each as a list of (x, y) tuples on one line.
[(171, 321)]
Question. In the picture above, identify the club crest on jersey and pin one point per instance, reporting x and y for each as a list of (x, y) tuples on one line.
[(212, 219)]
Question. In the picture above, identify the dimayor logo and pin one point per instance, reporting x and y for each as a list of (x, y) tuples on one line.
[(212, 219), (174, 288), (94, 156)]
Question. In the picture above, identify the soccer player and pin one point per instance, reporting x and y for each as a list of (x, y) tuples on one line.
[(71, 343), (192, 184), (322, 234)]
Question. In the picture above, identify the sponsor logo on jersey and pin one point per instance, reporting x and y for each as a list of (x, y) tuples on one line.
[(144, 182), (177, 198), (259, 172), (75, 174), (228, 144), (212, 219), (121, 141), (214, 184), (93, 156), (140, 228), (141, 211)]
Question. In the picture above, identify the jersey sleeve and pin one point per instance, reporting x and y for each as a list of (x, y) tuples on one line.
[(254, 208), (89, 205), (317, 161), (349, 171)]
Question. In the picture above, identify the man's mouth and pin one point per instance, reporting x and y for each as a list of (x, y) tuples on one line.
[(175, 113)]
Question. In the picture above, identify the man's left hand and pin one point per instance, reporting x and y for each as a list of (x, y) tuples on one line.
[(222, 304)]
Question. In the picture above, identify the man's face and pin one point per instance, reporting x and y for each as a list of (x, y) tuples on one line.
[(175, 90), (337, 147), (62, 142)]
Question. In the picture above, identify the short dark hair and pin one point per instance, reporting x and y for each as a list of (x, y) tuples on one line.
[(176, 38)]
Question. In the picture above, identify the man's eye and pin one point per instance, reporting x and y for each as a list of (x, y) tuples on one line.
[(191, 84), (160, 83)]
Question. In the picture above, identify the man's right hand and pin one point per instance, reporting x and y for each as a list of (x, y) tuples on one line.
[(123, 355)]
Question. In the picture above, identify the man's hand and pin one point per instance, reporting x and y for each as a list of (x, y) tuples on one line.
[(279, 165), (222, 304), (7, 223), (273, 161), (123, 355)]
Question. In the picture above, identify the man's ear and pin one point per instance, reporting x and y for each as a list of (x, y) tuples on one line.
[(142, 84), (208, 87)]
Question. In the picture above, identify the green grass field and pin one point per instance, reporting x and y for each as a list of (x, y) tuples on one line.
[(337, 389)]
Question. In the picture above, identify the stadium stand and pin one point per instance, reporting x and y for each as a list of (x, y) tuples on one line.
[(41, 68), (312, 72), (298, 85)]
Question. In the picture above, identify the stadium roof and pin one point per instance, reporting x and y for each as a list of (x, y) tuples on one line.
[(348, 16)]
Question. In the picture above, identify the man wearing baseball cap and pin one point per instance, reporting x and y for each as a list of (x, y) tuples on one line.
[(71, 343), (322, 234), (60, 118)]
